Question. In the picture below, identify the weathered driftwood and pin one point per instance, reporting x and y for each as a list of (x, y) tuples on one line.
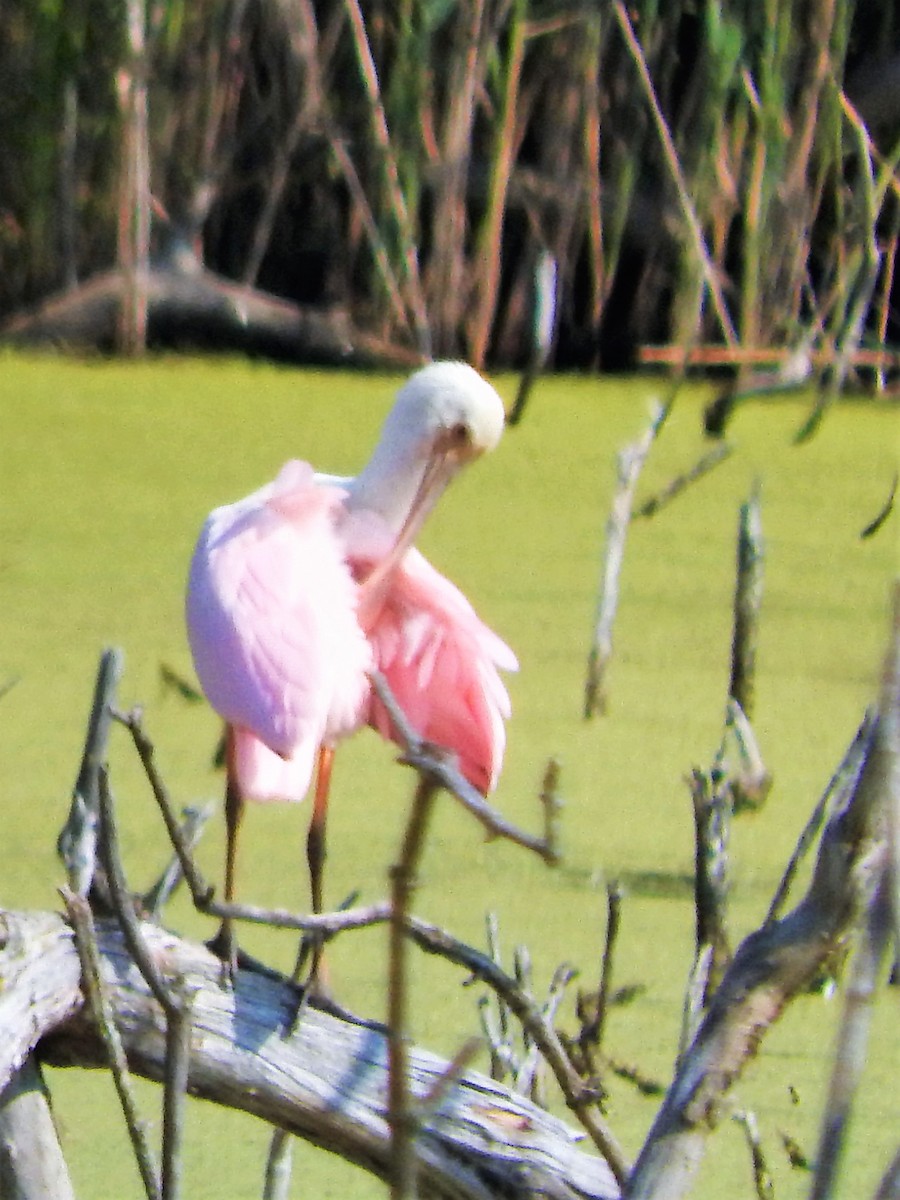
[(325, 1082)]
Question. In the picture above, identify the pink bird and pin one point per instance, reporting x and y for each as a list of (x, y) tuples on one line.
[(299, 591)]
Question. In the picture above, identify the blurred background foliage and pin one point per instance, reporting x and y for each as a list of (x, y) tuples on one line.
[(701, 171)]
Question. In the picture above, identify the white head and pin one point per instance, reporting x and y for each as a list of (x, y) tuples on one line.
[(445, 404), (444, 416)]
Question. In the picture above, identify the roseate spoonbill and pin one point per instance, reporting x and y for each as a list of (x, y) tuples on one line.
[(300, 590)]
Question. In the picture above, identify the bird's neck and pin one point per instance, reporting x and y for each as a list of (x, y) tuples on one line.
[(388, 483)]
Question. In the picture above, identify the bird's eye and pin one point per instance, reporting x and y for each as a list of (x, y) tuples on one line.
[(460, 434)]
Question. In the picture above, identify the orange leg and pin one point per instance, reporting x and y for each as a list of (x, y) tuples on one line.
[(224, 944), (315, 842)]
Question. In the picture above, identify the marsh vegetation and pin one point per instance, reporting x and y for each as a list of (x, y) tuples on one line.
[(695, 173)]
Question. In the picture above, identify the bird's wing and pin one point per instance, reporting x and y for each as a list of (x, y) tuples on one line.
[(271, 611), (441, 663)]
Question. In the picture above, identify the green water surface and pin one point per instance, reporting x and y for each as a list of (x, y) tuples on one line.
[(107, 472)]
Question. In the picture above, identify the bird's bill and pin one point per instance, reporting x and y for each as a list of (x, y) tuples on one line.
[(443, 465)]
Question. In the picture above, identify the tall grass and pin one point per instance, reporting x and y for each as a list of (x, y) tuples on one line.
[(693, 168)]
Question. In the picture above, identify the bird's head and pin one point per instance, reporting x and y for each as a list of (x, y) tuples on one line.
[(446, 410), (445, 416)]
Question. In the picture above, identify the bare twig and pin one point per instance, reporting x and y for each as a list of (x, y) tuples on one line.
[(849, 1058), (579, 1096), (200, 889), (614, 897), (552, 804), (434, 762), (529, 1081), (156, 897), (86, 943), (171, 999), (840, 786), (695, 997), (770, 967), (592, 1008), (711, 800), (762, 1177), (748, 777), (884, 512), (701, 468), (881, 773), (403, 1118), (747, 602), (542, 326), (77, 843), (629, 464), (32, 1165), (279, 1163), (889, 1187)]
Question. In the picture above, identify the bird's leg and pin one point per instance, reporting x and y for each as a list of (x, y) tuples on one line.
[(224, 944), (315, 850), (315, 841)]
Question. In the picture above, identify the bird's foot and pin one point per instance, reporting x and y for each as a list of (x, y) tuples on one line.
[(316, 993), (224, 946)]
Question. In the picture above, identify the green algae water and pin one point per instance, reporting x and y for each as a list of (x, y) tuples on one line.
[(108, 470)]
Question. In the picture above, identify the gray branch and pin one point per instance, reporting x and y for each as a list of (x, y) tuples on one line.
[(325, 1082)]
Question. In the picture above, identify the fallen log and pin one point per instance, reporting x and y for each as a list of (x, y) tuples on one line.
[(201, 310), (325, 1081)]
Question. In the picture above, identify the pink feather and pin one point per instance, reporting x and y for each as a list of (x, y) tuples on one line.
[(273, 622)]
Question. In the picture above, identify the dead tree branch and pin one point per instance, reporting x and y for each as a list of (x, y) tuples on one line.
[(326, 1081), (776, 962)]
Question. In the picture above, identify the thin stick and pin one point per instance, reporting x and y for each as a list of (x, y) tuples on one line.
[(614, 896), (178, 1025), (552, 805), (747, 602), (841, 784), (191, 830), (695, 992), (86, 943), (77, 842), (528, 1081), (701, 468), (433, 761), (200, 889), (580, 1097), (762, 1176), (402, 1114), (883, 513), (542, 325), (279, 1164), (889, 1188), (881, 773), (629, 464), (711, 800)]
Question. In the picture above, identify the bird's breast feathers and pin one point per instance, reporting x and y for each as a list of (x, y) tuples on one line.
[(272, 615)]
